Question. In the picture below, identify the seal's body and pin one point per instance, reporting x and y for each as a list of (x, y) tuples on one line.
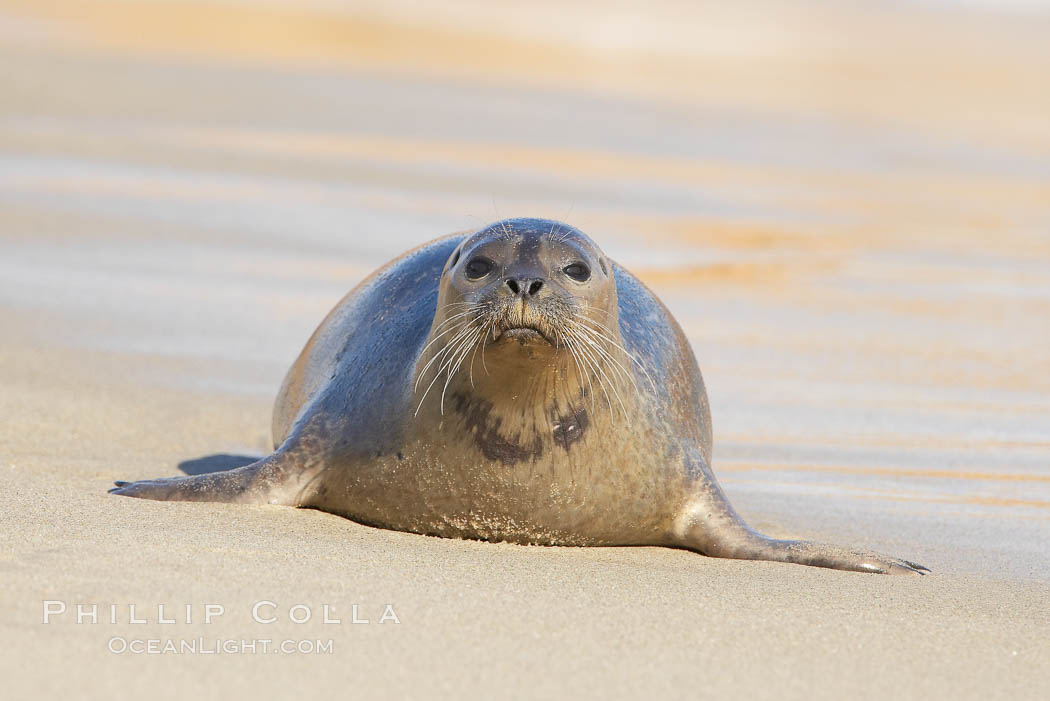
[(512, 384)]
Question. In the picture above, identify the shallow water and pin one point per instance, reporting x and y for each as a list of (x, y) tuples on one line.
[(862, 267)]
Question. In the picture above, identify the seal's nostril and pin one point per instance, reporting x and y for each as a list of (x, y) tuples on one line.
[(524, 287)]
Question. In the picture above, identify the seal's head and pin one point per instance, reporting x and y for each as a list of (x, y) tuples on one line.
[(531, 281), (529, 296)]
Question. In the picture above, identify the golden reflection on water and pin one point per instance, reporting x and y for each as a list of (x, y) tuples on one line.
[(729, 466)]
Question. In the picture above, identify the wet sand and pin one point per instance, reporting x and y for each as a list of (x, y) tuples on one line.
[(847, 210)]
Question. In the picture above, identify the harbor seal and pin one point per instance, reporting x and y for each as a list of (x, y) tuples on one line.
[(510, 384)]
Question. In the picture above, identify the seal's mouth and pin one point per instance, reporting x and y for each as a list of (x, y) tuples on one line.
[(522, 334)]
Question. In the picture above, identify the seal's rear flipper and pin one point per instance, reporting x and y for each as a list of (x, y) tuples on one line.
[(709, 525), (272, 480), (746, 544)]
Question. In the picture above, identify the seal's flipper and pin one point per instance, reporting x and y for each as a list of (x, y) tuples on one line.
[(709, 525), (231, 486), (272, 480)]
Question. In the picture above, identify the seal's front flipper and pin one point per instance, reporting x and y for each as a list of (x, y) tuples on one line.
[(272, 480), (709, 525), (231, 486)]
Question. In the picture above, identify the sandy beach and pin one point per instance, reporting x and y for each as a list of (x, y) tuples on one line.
[(846, 208)]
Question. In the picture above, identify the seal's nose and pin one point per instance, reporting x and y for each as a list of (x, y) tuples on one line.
[(525, 286)]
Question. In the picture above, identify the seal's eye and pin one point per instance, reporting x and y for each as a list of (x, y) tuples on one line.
[(577, 271), (478, 268)]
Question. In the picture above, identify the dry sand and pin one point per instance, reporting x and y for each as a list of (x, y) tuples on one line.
[(848, 211)]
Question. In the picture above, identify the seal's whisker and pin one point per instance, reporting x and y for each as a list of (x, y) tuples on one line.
[(600, 367), (600, 325), (453, 318), (590, 308), (603, 379), (615, 343), (451, 352), (615, 366), (579, 371), (622, 373), (478, 344), (593, 339), (438, 336), (455, 321), (460, 331), (583, 375), (460, 354), (442, 354), (594, 371), (596, 328), (451, 307), (490, 331)]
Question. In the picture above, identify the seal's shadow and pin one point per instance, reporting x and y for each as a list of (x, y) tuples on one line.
[(220, 462)]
